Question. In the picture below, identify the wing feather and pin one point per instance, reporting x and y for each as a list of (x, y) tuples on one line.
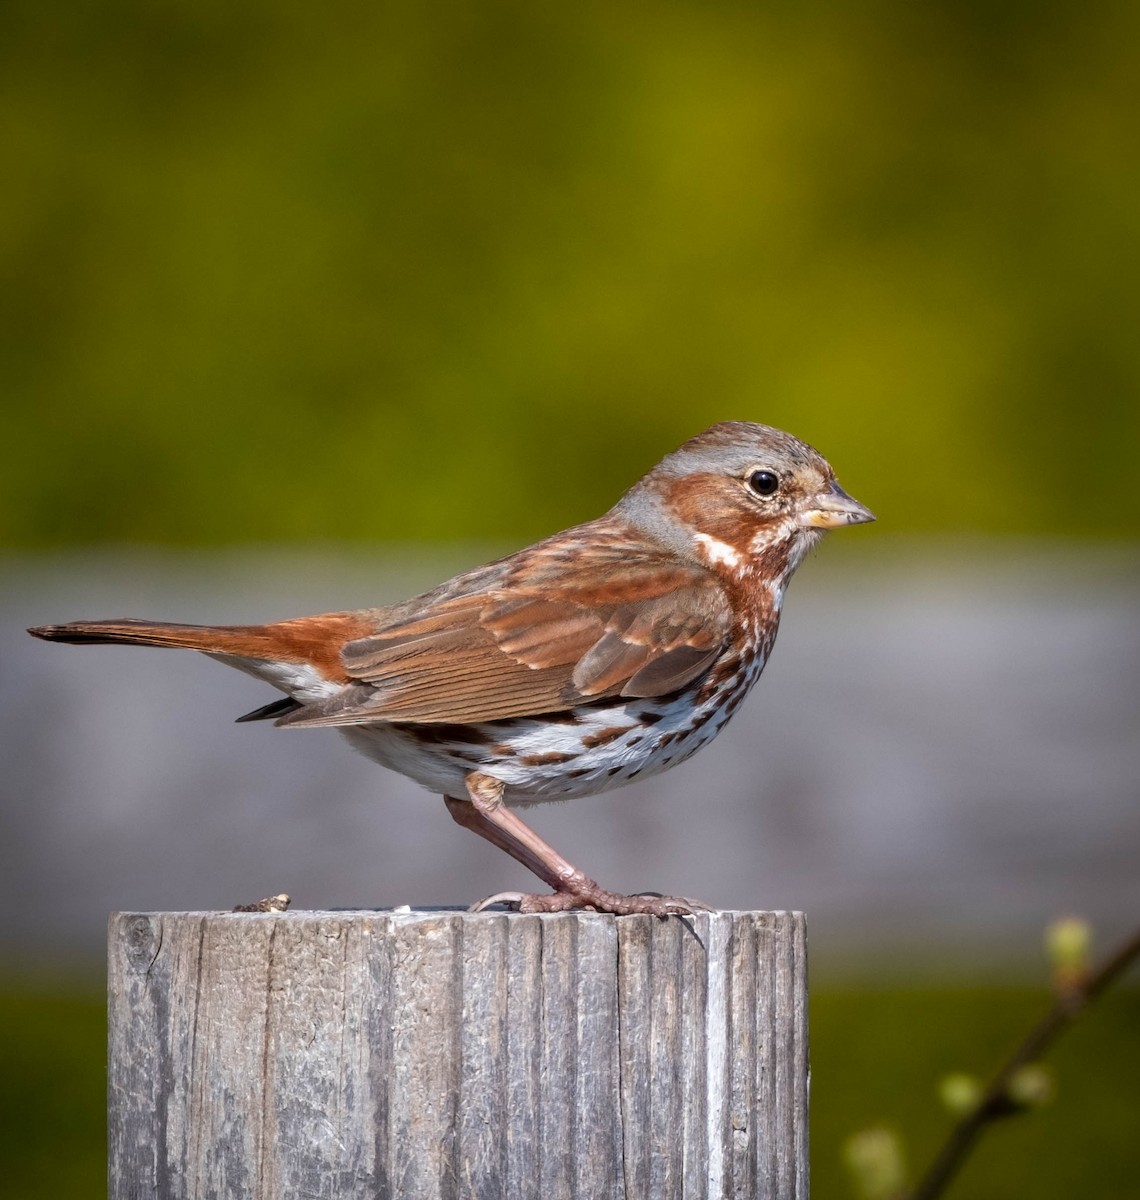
[(537, 644)]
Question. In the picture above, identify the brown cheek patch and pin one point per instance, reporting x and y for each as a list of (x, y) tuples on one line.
[(712, 504), (699, 500)]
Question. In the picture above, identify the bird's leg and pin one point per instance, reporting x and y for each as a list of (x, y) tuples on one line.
[(465, 813), (485, 813)]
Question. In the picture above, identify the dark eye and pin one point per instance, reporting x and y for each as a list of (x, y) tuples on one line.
[(764, 483)]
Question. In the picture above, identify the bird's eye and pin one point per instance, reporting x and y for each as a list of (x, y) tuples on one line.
[(764, 483)]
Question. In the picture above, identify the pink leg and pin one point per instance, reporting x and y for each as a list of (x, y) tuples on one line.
[(485, 813)]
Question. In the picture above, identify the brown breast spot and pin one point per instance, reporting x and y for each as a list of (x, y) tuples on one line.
[(603, 736), (551, 758)]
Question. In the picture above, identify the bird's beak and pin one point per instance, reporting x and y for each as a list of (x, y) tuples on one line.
[(833, 508)]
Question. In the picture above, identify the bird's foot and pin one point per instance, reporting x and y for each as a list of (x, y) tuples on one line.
[(592, 898)]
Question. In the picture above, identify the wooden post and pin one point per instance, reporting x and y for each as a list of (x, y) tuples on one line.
[(446, 1054)]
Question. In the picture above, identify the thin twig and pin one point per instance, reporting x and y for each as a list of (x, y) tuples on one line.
[(995, 1101)]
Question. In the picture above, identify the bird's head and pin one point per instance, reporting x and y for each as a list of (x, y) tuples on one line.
[(742, 498)]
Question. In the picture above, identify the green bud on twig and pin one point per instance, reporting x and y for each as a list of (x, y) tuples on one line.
[(874, 1157), (1068, 943), (960, 1093), (1031, 1086)]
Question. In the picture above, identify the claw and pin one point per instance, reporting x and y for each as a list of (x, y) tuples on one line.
[(684, 904), (515, 898)]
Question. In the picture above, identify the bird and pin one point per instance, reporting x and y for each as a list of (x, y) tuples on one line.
[(611, 651)]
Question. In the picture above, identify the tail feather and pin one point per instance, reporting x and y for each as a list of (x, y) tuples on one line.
[(314, 641), (131, 631), (267, 712)]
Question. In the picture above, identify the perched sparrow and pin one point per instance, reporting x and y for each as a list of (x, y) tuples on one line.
[(605, 653)]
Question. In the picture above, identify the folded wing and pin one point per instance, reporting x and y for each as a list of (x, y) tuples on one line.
[(625, 627)]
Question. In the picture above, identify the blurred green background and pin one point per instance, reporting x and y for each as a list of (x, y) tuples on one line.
[(408, 271), (379, 271)]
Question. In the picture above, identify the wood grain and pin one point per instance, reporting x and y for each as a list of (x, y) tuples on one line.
[(447, 1054)]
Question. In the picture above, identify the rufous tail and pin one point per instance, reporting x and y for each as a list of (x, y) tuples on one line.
[(218, 639), (316, 641)]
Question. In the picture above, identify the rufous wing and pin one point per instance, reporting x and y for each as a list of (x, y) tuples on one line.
[(518, 651)]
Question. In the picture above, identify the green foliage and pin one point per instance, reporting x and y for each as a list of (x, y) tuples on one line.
[(878, 1055), (421, 271)]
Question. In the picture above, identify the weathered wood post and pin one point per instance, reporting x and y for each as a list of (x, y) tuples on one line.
[(446, 1054)]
